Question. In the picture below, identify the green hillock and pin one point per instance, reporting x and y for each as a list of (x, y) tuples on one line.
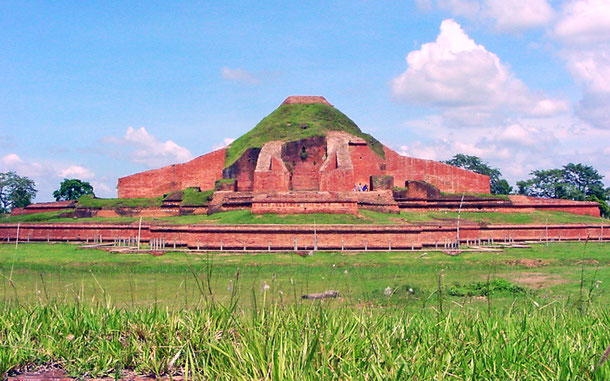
[(195, 197), (291, 122)]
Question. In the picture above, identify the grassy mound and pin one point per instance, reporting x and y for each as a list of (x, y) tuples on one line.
[(192, 197), (291, 122)]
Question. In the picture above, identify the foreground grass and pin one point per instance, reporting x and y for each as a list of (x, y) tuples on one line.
[(232, 316), (308, 341)]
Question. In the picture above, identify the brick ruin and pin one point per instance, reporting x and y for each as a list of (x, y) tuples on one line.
[(319, 175), (315, 174), (438, 235)]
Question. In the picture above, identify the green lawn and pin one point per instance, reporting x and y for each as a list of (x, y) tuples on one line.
[(232, 316), (65, 272)]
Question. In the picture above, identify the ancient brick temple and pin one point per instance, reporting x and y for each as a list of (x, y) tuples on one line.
[(335, 161), (309, 157)]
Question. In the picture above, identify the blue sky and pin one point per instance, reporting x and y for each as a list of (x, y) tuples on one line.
[(100, 90)]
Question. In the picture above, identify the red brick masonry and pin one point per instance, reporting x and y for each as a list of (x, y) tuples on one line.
[(41, 207), (287, 237)]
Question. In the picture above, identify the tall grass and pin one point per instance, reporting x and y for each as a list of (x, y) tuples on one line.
[(312, 341)]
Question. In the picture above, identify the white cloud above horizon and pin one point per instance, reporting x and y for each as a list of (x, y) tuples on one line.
[(238, 75), (144, 148), (467, 82), (48, 175), (504, 15), (225, 143), (516, 148), (583, 30), (76, 172)]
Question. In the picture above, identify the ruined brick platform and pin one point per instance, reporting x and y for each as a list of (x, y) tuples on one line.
[(306, 237)]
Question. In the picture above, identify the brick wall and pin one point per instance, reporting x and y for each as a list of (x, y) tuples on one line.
[(313, 172), (243, 169), (283, 236), (280, 207), (447, 178), (200, 172)]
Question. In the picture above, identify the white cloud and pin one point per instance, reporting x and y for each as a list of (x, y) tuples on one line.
[(76, 172), (150, 151), (238, 75), (11, 159), (516, 148), (584, 22), (12, 162), (517, 134), (518, 15), (584, 31), (466, 8), (102, 189), (425, 5), (470, 83), (505, 15), (48, 175), (225, 143)]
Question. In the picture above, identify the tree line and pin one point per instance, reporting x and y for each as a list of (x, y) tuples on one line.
[(578, 182), (572, 182), (19, 191)]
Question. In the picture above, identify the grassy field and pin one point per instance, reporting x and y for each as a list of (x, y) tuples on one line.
[(525, 313), (42, 272), (364, 217)]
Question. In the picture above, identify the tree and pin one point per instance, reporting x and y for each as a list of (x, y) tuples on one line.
[(72, 189), (573, 182), (502, 187), (604, 209), (582, 181), (15, 191), (545, 183), (475, 164)]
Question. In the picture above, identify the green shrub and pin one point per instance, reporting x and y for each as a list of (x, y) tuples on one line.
[(497, 286)]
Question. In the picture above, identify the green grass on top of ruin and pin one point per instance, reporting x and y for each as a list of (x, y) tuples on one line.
[(109, 203), (292, 122), (246, 217), (478, 195), (536, 217)]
